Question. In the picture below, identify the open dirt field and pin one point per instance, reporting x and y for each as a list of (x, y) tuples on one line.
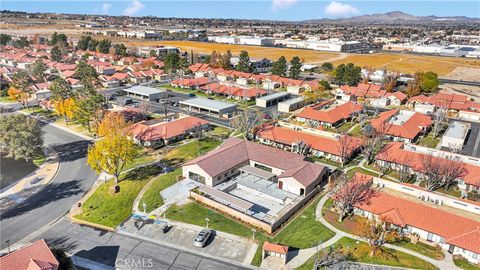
[(401, 62)]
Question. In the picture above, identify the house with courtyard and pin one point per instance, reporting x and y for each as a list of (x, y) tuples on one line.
[(329, 113), (160, 132), (402, 125), (257, 184), (310, 141), (454, 233)]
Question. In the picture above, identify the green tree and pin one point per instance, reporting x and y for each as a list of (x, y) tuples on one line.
[(280, 67), (295, 67), (56, 54), (5, 39), (39, 69), (104, 46), (325, 85), (22, 83), (429, 82), (92, 46), (244, 62), (111, 155), (84, 42), (60, 90), (120, 49), (327, 67), (86, 73), (65, 263), (88, 107), (58, 40), (171, 63), (22, 42), (349, 74), (152, 53), (21, 136)]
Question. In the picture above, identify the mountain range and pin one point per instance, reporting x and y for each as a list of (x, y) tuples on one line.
[(397, 17)]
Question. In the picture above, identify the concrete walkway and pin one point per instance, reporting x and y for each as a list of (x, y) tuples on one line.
[(305, 254)]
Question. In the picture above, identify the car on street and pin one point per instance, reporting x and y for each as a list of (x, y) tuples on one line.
[(202, 238), (191, 95)]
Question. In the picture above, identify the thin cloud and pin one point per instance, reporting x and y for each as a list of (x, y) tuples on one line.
[(106, 8), (134, 7), (282, 4), (336, 9)]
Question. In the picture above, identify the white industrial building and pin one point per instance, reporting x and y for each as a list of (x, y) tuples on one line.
[(243, 40), (455, 135), (333, 45)]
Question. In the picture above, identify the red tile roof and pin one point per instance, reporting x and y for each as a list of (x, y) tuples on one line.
[(218, 88), (456, 230), (275, 248), (446, 100), (394, 152), (34, 256), (410, 129), (332, 116), (235, 151), (325, 144), (153, 130), (190, 82), (364, 90)]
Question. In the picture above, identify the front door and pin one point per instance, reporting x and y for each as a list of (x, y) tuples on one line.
[(451, 249), (280, 184)]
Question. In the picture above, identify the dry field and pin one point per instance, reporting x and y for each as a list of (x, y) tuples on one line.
[(405, 63)]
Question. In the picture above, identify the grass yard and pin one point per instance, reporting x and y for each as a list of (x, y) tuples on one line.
[(108, 209), (220, 132), (429, 140), (186, 152), (152, 197), (143, 156), (39, 160), (359, 252), (464, 264), (6, 99), (422, 248), (351, 172), (357, 131)]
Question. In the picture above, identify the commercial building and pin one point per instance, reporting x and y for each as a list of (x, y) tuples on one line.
[(272, 99), (145, 92), (454, 137), (257, 184), (211, 107)]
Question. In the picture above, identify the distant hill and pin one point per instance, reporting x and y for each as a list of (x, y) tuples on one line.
[(397, 17)]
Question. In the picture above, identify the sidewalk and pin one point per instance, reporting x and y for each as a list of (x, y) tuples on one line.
[(30, 184)]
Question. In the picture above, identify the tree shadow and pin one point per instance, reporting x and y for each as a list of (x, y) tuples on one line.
[(72, 151), (102, 254), (64, 243), (142, 173), (51, 193)]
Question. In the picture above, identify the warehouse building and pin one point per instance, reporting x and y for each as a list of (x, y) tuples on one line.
[(273, 99), (455, 135), (290, 105), (145, 92)]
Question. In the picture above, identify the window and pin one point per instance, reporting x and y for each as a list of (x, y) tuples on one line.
[(430, 237), (474, 255)]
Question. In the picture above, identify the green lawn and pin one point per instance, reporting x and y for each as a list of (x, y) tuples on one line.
[(357, 131), (422, 248), (351, 172), (108, 209), (39, 160), (143, 156), (464, 264), (429, 140), (359, 252), (152, 197), (220, 132), (6, 99)]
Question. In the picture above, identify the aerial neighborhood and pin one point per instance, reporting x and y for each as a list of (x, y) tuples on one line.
[(173, 143)]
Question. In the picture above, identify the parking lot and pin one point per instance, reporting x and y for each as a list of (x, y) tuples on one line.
[(231, 248)]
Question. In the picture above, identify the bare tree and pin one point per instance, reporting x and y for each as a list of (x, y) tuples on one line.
[(404, 174), (301, 147), (246, 121), (433, 172), (376, 234), (344, 146), (438, 121), (330, 256), (372, 142), (452, 170), (346, 194)]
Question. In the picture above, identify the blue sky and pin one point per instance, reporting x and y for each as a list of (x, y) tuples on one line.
[(252, 9)]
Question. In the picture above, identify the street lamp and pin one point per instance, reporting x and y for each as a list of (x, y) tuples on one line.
[(144, 207), (207, 220), (253, 233)]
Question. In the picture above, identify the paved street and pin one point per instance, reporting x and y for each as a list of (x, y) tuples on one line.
[(472, 145), (73, 179), (123, 252)]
